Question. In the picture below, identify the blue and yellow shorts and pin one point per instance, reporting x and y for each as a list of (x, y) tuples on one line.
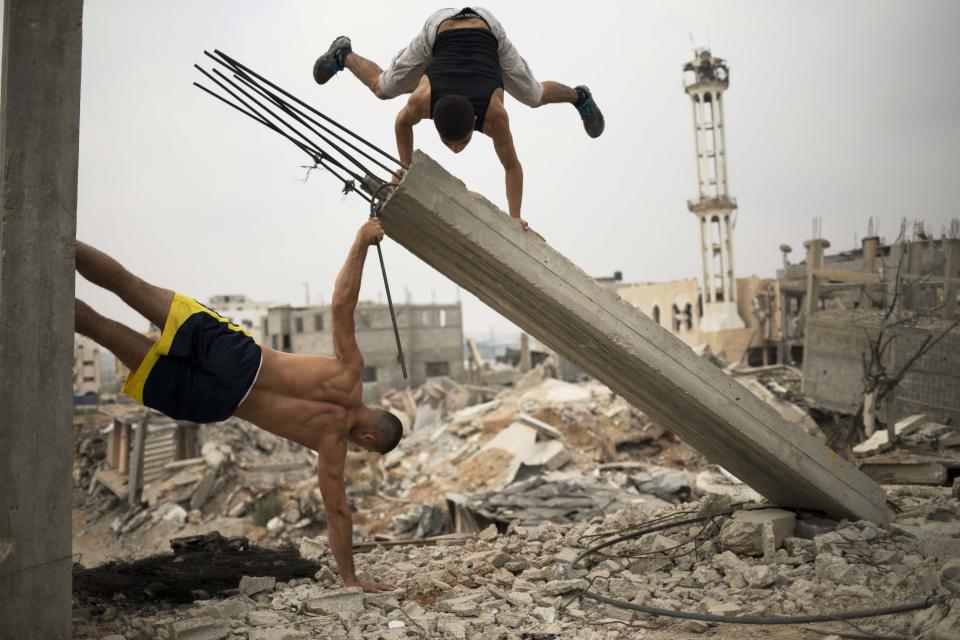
[(201, 369)]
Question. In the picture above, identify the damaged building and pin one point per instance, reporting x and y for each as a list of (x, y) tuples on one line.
[(431, 335), (882, 312)]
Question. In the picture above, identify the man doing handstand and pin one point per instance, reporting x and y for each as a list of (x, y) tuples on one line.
[(204, 368), (455, 71)]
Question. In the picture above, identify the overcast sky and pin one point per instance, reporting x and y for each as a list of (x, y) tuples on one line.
[(842, 110)]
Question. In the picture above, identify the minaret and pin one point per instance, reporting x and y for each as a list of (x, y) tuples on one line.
[(705, 80)]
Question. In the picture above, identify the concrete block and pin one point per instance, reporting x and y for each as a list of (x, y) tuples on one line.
[(251, 585), (339, 602), (473, 243), (199, 629), (744, 532)]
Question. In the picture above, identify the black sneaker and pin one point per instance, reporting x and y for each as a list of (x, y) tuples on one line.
[(589, 112), (331, 62)]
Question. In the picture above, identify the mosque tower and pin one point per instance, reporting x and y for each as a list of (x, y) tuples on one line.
[(705, 80)]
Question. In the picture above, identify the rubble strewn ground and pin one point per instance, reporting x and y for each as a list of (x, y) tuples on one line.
[(489, 498)]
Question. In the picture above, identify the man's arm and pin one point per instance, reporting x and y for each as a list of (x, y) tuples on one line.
[(411, 114), (345, 293), (332, 453), (499, 130)]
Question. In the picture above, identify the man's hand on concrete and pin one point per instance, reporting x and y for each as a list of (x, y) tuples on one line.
[(370, 586), (398, 175), (370, 232)]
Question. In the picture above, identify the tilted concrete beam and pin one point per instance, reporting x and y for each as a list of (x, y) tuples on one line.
[(472, 242)]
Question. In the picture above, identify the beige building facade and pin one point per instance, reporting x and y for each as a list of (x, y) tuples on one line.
[(86, 367), (678, 307)]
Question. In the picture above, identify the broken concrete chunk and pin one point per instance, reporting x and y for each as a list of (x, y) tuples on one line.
[(202, 493), (489, 534), (950, 575), (838, 570), (466, 606), (559, 587), (250, 585), (261, 618), (760, 576), (199, 629), (229, 609), (386, 601), (516, 566), (717, 608), (948, 628), (452, 628), (743, 533), (666, 484), (695, 626), (339, 602), (520, 598), (313, 548), (811, 527), (214, 453), (880, 439)]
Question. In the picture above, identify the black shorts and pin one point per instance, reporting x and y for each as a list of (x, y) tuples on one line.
[(201, 369)]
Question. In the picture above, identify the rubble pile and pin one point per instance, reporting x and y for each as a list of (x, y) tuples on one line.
[(542, 451), (515, 584), (495, 490), (923, 452)]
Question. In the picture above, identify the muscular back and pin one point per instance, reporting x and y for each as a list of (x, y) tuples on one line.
[(301, 397)]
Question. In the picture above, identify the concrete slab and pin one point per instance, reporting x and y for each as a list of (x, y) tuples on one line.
[(476, 245)]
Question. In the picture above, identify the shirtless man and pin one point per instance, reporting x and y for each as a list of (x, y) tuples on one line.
[(205, 369), (455, 71)]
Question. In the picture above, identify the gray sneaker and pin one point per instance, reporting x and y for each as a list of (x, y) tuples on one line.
[(331, 62), (589, 112)]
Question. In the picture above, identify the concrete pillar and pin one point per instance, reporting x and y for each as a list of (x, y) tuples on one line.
[(704, 259), (731, 282), (718, 169), (465, 237), (39, 136), (721, 124), (814, 261), (711, 258), (699, 133), (722, 250), (869, 246), (525, 360)]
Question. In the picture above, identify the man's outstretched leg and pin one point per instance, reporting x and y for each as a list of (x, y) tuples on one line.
[(150, 301), (579, 97), (122, 341), (340, 56)]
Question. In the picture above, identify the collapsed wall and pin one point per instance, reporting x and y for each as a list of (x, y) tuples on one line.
[(472, 242)]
